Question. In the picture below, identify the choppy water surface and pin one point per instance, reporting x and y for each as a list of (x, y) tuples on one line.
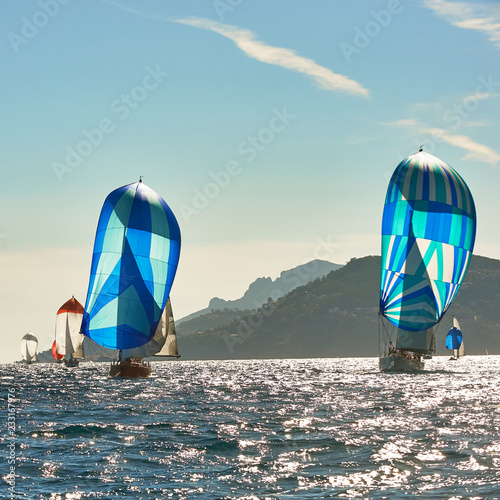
[(317, 428)]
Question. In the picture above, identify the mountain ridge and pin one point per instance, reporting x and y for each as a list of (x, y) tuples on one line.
[(337, 315), (264, 287)]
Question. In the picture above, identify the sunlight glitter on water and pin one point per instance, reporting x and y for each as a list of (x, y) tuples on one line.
[(308, 429)]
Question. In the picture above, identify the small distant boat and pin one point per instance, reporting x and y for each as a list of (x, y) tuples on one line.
[(428, 233), (29, 344), (454, 341), (135, 257), (69, 340)]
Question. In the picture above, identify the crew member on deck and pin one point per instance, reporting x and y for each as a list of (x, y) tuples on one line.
[(392, 349)]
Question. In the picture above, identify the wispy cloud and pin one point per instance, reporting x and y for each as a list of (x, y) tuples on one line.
[(248, 43), (279, 56), (479, 17), (476, 151), (407, 122)]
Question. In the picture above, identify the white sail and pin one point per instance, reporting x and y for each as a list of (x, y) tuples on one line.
[(69, 340), (421, 342), (95, 352), (170, 347), (461, 351), (153, 346), (163, 339), (29, 344)]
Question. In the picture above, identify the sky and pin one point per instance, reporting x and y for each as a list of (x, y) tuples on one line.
[(271, 128)]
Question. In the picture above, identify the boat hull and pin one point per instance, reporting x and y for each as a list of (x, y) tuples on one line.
[(71, 362), (130, 369), (395, 363)]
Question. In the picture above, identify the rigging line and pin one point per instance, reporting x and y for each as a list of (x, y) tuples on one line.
[(388, 336), (379, 356)]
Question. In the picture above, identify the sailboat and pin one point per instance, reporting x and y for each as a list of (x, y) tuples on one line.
[(29, 344), (135, 258), (69, 340), (455, 341), (163, 344), (428, 234)]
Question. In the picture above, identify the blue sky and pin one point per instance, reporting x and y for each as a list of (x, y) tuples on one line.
[(299, 110)]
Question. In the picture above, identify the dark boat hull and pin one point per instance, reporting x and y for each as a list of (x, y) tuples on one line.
[(130, 369), (395, 363)]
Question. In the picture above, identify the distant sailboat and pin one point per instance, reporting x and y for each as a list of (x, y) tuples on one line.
[(69, 340), (454, 341), (136, 252), (428, 233), (29, 344)]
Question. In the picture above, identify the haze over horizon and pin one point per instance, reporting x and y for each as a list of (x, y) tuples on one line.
[(270, 128)]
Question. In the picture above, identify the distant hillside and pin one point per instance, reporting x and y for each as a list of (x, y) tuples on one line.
[(209, 320), (262, 288), (45, 356), (337, 316)]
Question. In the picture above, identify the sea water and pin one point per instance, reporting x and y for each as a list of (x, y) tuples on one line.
[(305, 429)]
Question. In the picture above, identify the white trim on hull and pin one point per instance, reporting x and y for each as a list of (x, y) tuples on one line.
[(395, 363)]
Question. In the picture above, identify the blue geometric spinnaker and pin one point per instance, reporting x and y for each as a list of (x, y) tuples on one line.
[(135, 257), (428, 233), (454, 338)]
